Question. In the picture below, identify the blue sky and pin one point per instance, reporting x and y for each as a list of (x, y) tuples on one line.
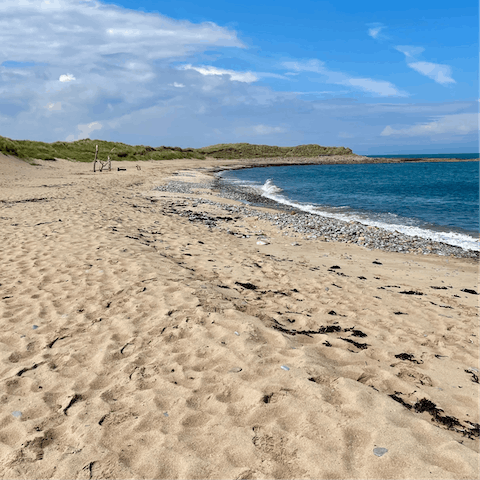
[(374, 76)]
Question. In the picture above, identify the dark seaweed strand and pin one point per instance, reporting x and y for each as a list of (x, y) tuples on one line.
[(451, 423)]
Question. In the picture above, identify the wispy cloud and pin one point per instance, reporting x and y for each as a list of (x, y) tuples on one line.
[(380, 88), (409, 50), (85, 131), (375, 30), (66, 78), (57, 106), (259, 130), (312, 65), (247, 77), (457, 124), (441, 74)]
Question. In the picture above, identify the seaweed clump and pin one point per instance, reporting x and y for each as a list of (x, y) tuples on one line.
[(451, 423)]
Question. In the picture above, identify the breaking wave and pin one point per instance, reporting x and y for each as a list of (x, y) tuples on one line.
[(385, 221)]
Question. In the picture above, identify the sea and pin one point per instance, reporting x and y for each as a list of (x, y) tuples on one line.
[(433, 200)]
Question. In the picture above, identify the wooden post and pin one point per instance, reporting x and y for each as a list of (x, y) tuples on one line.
[(95, 161)]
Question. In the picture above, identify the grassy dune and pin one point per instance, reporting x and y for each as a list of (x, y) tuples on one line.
[(247, 150), (84, 151)]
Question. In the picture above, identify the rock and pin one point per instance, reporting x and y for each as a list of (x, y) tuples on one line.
[(379, 451)]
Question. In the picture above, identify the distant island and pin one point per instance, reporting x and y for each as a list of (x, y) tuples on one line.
[(84, 151)]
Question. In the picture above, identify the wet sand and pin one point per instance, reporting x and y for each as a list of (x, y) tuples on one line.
[(136, 343)]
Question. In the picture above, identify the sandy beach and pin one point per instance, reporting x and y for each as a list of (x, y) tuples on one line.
[(136, 343)]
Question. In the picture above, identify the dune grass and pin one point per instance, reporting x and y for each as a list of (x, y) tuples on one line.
[(84, 151), (247, 150)]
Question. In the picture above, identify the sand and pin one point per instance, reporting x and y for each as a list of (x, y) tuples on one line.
[(130, 348)]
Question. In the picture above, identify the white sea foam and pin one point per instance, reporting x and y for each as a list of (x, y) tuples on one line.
[(271, 191), (269, 188)]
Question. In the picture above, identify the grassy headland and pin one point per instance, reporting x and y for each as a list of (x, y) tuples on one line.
[(84, 151), (247, 150)]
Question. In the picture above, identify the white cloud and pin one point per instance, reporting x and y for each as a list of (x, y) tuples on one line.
[(247, 77), (381, 88), (118, 51), (85, 131), (378, 87), (409, 50), (259, 130), (440, 73), (78, 32), (122, 60), (312, 65), (457, 124), (177, 85), (57, 106), (316, 92), (67, 78), (375, 30)]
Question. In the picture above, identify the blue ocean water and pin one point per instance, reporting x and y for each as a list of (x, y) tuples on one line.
[(462, 156), (436, 200)]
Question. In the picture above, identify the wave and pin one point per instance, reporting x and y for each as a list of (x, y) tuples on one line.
[(271, 191), (269, 188)]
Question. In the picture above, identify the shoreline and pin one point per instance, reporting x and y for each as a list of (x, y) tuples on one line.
[(245, 194), (312, 227), (327, 160), (156, 334)]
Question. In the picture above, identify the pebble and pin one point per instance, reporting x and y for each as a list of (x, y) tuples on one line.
[(303, 223), (17, 414), (34, 327), (235, 370), (380, 451)]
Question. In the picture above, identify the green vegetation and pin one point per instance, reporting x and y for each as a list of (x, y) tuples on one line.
[(247, 150), (84, 151)]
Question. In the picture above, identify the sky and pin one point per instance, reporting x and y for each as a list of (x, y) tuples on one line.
[(377, 77)]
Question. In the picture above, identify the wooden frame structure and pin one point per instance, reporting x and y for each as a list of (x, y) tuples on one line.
[(107, 164)]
